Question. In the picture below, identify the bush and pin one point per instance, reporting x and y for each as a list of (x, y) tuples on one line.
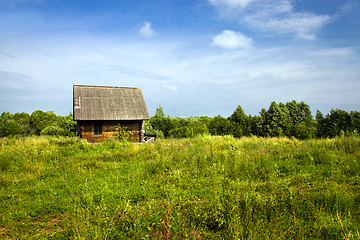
[(39, 120), (124, 134), (191, 130), (53, 130), (11, 128), (149, 130)]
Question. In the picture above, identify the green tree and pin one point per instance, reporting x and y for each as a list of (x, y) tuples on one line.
[(12, 128), (191, 130), (256, 125), (340, 121), (14, 124), (62, 126), (23, 119), (303, 130), (263, 127), (285, 119), (149, 130), (321, 125), (220, 126), (355, 121), (4, 117), (66, 123), (302, 124), (277, 120), (336, 123), (39, 120), (241, 122), (161, 122)]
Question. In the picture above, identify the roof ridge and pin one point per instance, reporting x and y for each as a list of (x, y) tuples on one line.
[(93, 86)]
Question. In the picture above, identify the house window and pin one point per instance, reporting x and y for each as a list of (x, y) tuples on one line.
[(77, 102), (98, 129)]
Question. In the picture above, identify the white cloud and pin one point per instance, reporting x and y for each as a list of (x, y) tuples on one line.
[(304, 25), (230, 3), (146, 30), (170, 87), (334, 52), (349, 6), (275, 16), (231, 40)]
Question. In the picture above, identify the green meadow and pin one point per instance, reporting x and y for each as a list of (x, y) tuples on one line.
[(205, 187)]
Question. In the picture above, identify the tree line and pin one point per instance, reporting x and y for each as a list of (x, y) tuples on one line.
[(36, 123), (291, 119)]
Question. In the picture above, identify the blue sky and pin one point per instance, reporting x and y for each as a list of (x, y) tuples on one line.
[(193, 57)]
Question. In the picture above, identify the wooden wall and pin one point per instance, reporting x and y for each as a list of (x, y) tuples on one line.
[(108, 128)]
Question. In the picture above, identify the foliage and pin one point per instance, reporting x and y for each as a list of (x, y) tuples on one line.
[(338, 122), (292, 119), (178, 127), (206, 187), (66, 123), (149, 130), (219, 125), (124, 134), (161, 122), (193, 129), (14, 124), (39, 122), (241, 122), (53, 130)]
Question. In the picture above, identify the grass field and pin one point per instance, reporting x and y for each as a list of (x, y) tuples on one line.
[(201, 188)]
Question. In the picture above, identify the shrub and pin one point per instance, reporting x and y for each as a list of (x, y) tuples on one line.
[(149, 130), (11, 128), (124, 134), (53, 130)]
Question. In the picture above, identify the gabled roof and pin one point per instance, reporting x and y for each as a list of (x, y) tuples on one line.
[(109, 103)]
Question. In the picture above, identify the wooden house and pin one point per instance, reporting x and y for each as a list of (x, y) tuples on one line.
[(99, 110)]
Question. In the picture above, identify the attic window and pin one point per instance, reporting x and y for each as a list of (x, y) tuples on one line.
[(77, 102), (97, 129)]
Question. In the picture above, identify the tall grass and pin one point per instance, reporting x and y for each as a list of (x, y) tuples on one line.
[(202, 188)]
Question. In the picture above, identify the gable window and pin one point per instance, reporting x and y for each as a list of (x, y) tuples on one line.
[(77, 102), (98, 129)]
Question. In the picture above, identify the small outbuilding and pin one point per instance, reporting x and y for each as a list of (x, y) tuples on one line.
[(99, 110)]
